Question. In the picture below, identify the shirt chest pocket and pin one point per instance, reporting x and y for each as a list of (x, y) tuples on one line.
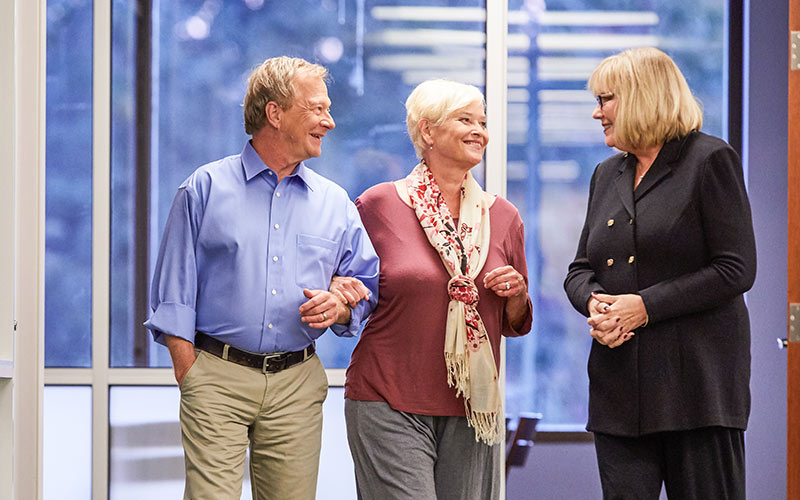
[(315, 261)]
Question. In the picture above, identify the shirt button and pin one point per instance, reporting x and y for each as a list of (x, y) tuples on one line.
[(610, 222), (276, 226), (630, 259), (610, 262), (269, 172), (275, 259), (274, 292), (278, 195), (269, 325)]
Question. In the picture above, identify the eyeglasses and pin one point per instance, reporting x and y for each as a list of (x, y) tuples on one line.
[(603, 98)]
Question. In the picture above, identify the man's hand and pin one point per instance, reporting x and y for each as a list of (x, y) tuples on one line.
[(349, 290), (323, 309), (183, 357)]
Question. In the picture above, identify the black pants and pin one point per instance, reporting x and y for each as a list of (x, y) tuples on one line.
[(701, 464)]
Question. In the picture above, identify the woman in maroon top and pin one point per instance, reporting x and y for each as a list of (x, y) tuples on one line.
[(423, 407)]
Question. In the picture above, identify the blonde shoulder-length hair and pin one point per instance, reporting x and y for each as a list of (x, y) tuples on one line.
[(435, 100), (654, 102)]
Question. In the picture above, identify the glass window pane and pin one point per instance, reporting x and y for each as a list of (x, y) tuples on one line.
[(553, 147), (67, 443), (68, 255), (376, 53), (147, 458)]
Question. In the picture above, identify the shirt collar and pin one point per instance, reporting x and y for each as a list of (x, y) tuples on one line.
[(254, 165)]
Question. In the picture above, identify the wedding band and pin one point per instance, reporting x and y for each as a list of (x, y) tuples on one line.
[(324, 316), (508, 287)]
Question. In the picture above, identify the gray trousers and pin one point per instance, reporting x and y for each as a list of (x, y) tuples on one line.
[(404, 456)]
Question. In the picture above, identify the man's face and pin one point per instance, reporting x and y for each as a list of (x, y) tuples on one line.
[(308, 118)]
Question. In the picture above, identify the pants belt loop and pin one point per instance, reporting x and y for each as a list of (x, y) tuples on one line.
[(225, 352)]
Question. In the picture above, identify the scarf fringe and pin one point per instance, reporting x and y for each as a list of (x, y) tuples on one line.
[(485, 425), (458, 373)]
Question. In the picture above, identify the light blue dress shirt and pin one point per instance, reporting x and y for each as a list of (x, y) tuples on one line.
[(239, 248)]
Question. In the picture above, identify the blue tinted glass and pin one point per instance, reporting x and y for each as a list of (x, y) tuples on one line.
[(129, 343), (202, 55), (68, 257), (67, 443), (553, 147), (146, 457)]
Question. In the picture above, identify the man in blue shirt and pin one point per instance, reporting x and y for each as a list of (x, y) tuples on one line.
[(240, 293)]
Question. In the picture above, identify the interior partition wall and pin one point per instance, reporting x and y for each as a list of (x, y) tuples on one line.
[(139, 94)]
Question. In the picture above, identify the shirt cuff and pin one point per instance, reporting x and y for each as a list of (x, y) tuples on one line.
[(173, 319), (357, 314)]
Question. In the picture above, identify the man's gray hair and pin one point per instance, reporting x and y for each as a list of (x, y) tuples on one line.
[(273, 80)]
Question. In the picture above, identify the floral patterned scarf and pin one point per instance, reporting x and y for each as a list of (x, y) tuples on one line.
[(467, 350)]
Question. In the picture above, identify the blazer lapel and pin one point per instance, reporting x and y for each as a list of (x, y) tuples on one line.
[(624, 182), (661, 168), (657, 171)]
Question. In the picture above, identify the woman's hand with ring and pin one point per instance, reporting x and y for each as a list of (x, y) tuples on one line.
[(505, 281)]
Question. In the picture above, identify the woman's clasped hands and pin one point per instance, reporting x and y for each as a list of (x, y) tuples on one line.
[(614, 318)]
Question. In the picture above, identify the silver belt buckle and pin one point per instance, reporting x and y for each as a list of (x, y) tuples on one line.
[(266, 361)]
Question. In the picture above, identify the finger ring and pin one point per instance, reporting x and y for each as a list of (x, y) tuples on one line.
[(324, 316), (508, 286)]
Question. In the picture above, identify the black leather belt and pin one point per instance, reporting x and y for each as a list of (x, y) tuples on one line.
[(267, 363)]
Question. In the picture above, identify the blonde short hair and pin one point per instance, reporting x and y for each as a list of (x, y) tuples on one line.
[(272, 81), (654, 102), (435, 100)]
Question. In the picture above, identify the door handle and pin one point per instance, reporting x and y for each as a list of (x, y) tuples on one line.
[(794, 326)]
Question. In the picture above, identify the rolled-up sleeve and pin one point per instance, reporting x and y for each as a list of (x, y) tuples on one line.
[(358, 260), (173, 292)]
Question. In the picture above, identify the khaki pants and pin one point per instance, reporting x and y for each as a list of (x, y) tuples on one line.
[(227, 407)]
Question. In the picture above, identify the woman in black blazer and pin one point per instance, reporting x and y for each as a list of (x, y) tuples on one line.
[(666, 254)]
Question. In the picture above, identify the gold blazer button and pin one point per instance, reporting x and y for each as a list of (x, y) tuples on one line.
[(610, 222), (630, 259), (610, 262)]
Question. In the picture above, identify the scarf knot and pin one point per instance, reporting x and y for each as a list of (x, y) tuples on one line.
[(462, 288)]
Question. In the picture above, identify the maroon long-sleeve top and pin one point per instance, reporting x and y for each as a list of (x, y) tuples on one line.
[(400, 356)]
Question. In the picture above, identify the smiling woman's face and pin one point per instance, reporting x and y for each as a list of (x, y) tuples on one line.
[(607, 114), (462, 137)]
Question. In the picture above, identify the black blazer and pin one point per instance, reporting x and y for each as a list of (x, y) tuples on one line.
[(683, 240)]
